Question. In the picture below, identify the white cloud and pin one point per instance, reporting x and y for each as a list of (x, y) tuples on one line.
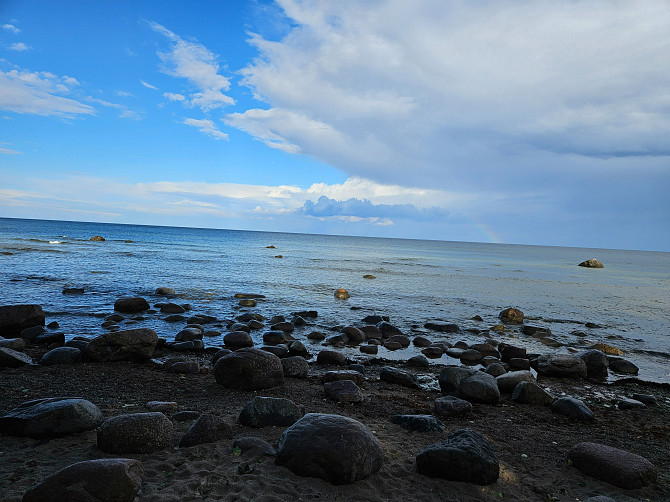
[(19, 47), (125, 113), (12, 28), (148, 86), (124, 94), (206, 127), (193, 61), (39, 93), (173, 96), (9, 151)]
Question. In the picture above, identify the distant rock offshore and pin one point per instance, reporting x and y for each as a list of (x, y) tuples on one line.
[(592, 263), (97, 238)]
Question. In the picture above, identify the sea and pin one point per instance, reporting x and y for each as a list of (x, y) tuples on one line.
[(626, 304)]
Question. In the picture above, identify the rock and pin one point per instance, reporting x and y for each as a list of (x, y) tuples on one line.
[(135, 433), (166, 407), (163, 291), (338, 449), (418, 423), (511, 316), (316, 335), (471, 356), (339, 340), (238, 340), (630, 404), (61, 355), (442, 327), (454, 352), (464, 456), (451, 377), (508, 382), (172, 308), (517, 363), (646, 399), (623, 366), (479, 388), (188, 335), (333, 376), (193, 345), (531, 393), (247, 302), (572, 408), (398, 377), (452, 406), (421, 342), (343, 391), (369, 349), (270, 411), (592, 263), (295, 367), (508, 352), (285, 326), (331, 357), (610, 350), (73, 291), (51, 417), (596, 363), (495, 369), (274, 337), (130, 345), (13, 359), (369, 276), (561, 366), (612, 465), (249, 295), (17, 344), (308, 314), (16, 318), (131, 304), (297, 348), (249, 445), (342, 294), (206, 429), (354, 334), (387, 330), (392, 345), (400, 339), (249, 369), (102, 480), (536, 331), (280, 351), (186, 416), (419, 361), (183, 367), (97, 238)]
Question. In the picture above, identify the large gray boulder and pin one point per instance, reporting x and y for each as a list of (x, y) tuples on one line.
[(131, 304), (135, 433), (129, 345), (61, 355), (592, 263), (249, 369), (508, 382), (451, 377), (16, 318), (270, 411), (295, 367), (13, 358), (464, 456), (206, 429), (612, 465), (596, 363), (102, 480), (338, 449), (561, 366), (51, 417), (479, 387)]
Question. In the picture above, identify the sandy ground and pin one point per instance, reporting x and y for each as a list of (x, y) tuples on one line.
[(530, 441)]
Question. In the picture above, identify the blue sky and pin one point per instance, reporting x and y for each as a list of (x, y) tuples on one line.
[(521, 122)]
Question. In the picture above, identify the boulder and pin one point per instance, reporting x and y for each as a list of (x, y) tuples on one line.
[(387, 330), (596, 363), (295, 367), (102, 480), (624, 366), (418, 423), (451, 377), (495, 369), (172, 308), (188, 335), (572, 408), (342, 294), (419, 361), (479, 387), (250, 445), (129, 345), (369, 349), (51, 417), (249, 369), (464, 456), (531, 393), (61, 355), (297, 348), (618, 467), (206, 429), (355, 376), (561, 366), (163, 291), (442, 327), (238, 340), (17, 344), (508, 382), (32, 332), (331, 357), (13, 358), (591, 263), (399, 377), (270, 411), (354, 334), (16, 318), (338, 449), (421, 342), (131, 304), (135, 433), (50, 338), (97, 238), (403, 340), (274, 337), (343, 391), (508, 352), (511, 316), (450, 406)]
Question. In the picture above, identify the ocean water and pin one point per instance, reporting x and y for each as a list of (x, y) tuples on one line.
[(416, 281)]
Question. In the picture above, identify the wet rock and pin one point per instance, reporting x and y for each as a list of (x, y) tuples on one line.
[(61, 355), (51, 417), (516, 364), (471, 356), (131, 304), (398, 377), (572, 408), (339, 340), (454, 352), (50, 338), (623, 366), (16, 318), (247, 302), (191, 346), (135, 433), (130, 345), (280, 351), (285, 326), (536, 331), (442, 327), (485, 349), (102, 480), (206, 429), (421, 342), (97, 238), (418, 423), (419, 362), (596, 363), (342, 294), (369, 349), (464, 456), (614, 466), (508, 352), (331, 357), (495, 369), (610, 350), (354, 335), (402, 340), (392, 345), (316, 335), (646, 399), (451, 377), (333, 376), (163, 291), (307, 314), (511, 316), (338, 449), (238, 340), (343, 391), (274, 337), (295, 367), (270, 412), (249, 369), (630, 404), (508, 382), (450, 406), (172, 308), (531, 393), (591, 263), (371, 332), (73, 291), (375, 319), (387, 330), (561, 366), (183, 367), (13, 359), (479, 388)]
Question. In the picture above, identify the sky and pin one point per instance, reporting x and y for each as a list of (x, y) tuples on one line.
[(527, 122)]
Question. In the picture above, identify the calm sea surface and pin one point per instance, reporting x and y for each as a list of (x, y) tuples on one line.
[(416, 281)]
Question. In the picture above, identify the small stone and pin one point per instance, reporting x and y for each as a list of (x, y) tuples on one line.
[(166, 407), (452, 406)]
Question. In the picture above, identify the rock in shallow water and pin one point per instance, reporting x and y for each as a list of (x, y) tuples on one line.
[(131, 304), (130, 345)]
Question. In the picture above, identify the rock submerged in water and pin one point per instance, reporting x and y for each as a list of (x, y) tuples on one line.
[(511, 316), (97, 238), (131, 304), (342, 294), (592, 263)]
